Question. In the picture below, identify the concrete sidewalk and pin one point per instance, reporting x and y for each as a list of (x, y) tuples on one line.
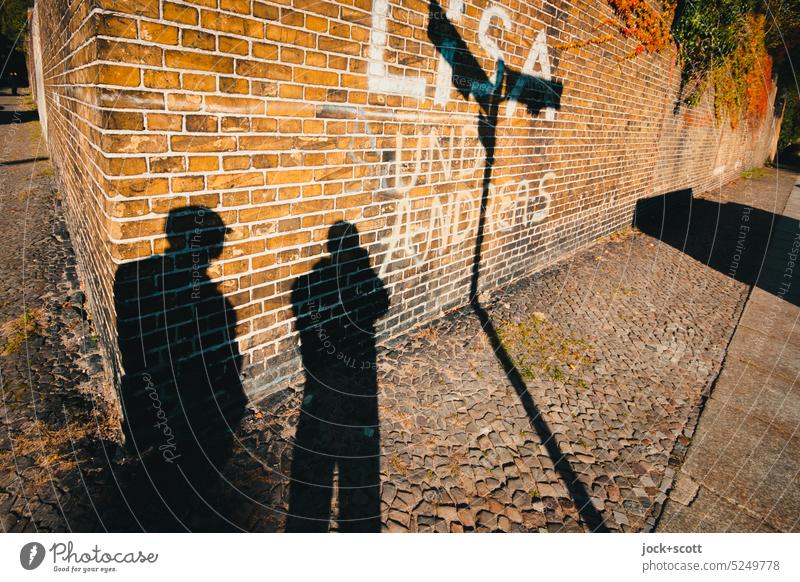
[(742, 468)]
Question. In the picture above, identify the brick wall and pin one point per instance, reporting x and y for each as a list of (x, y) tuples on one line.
[(63, 46), (285, 116)]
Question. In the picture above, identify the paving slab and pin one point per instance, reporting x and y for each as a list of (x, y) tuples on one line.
[(709, 508), (745, 454)]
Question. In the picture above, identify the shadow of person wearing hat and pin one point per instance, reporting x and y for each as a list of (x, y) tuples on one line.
[(181, 392)]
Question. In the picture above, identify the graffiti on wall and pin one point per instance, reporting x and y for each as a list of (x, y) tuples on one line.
[(454, 154)]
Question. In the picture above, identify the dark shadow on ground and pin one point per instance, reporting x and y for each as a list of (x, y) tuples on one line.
[(536, 94), (7, 117), (789, 158), (753, 246), (336, 306), (181, 393), (21, 162)]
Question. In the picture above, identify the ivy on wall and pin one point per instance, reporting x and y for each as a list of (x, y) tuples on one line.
[(650, 28), (722, 47)]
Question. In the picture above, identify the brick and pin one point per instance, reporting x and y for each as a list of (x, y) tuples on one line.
[(181, 13), (236, 124), (158, 33), (237, 163), (300, 208), (184, 102), (161, 79), (198, 39), (264, 143), (265, 161), (317, 24), (284, 35), (235, 267), (121, 120), (167, 165), (288, 240), (129, 208), (201, 143), (289, 109), (338, 45), (123, 99), (115, 26), (266, 11), (198, 62), (163, 206), (288, 176), (254, 68), (126, 52), (138, 187), (311, 76), (198, 82), (236, 105), (238, 6), (142, 143), (234, 85), (211, 200), (137, 7), (261, 213), (187, 184), (130, 251), (230, 181), (294, 92), (203, 164), (164, 122), (236, 46), (231, 24), (136, 229), (235, 198), (262, 50), (201, 123), (123, 166), (292, 55)]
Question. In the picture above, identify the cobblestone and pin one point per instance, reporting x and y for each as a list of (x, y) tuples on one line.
[(56, 425)]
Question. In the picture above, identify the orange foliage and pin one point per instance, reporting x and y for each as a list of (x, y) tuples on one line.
[(650, 28)]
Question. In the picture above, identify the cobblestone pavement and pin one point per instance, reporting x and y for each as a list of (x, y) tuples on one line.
[(626, 337), (616, 346), (53, 420)]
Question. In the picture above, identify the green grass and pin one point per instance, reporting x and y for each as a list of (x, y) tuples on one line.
[(755, 173), (540, 350), (14, 333)]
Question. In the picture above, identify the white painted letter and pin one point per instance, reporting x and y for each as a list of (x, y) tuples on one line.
[(379, 78), (487, 42), (538, 54), (444, 72), (540, 215)]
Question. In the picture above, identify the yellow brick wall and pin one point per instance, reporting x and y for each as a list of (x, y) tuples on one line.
[(285, 116)]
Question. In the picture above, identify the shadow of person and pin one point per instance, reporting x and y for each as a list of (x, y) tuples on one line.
[(181, 394), (336, 306)]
